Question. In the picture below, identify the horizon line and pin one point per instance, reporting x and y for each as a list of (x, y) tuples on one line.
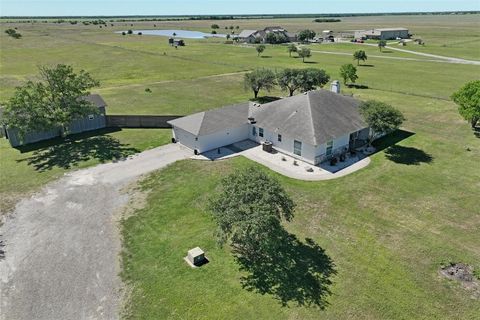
[(239, 14)]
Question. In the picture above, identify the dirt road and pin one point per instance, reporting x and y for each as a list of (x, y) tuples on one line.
[(62, 244)]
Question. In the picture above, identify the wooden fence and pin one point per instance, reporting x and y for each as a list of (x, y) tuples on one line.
[(139, 121)]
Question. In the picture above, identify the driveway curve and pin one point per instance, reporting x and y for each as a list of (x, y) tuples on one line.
[(62, 244)]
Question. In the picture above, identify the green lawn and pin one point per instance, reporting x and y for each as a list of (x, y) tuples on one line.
[(25, 169), (387, 228)]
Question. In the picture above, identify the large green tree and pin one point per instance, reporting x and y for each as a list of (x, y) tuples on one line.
[(53, 102), (381, 118), (249, 207), (289, 79), (306, 35), (311, 79), (260, 79), (468, 100), (348, 72), (359, 55), (304, 53), (304, 79)]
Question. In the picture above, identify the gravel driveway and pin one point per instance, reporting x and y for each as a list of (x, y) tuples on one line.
[(62, 244)]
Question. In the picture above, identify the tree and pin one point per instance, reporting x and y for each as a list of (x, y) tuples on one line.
[(348, 72), (304, 79), (468, 100), (289, 79), (249, 207), (260, 48), (306, 35), (215, 26), (380, 117), (359, 55), (214, 32), (259, 79), (291, 48), (271, 38), (13, 33), (53, 102), (129, 31), (304, 53), (228, 36), (312, 78), (382, 44)]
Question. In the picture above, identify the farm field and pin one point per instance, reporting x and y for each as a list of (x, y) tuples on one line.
[(387, 228)]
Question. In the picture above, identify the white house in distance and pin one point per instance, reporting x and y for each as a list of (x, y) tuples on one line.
[(313, 126)]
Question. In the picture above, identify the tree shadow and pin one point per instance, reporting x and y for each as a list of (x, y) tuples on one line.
[(266, 57), (69, 152), (366, 65), (476, 131), (357, 86), (290, 270), (265, 99), (386, 51), (391, 139), (310, 62), (407, 155)]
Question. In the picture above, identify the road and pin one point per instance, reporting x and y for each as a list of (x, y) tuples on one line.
[(436, 57), (62, 244)]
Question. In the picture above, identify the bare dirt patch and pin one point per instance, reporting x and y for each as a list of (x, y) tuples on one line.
[(464, 274)]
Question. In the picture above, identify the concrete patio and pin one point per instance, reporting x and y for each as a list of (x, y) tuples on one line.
[(285, 164)]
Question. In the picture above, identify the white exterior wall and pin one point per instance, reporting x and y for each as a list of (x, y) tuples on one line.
[(284, 146), (212, 141), (339, 146)]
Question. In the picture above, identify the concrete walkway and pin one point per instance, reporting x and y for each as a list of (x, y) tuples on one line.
[(284, 164), (62, 244)]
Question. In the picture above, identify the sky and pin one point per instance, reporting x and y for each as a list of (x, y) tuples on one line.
[(202, 7)]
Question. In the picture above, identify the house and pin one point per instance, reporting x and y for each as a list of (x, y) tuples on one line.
[(260, 36), (312, 127), (383, 34), (89, 123)]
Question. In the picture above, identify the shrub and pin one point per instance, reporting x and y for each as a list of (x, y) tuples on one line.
[(129, 31)]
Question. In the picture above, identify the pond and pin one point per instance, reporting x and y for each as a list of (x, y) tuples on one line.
[(188, 34)]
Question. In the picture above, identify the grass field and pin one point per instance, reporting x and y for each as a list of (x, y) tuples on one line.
[(386, 228)]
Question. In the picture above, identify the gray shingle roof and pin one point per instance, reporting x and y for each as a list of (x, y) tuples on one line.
[(204, 123), (315, 117), (246, 33), (96, 99)]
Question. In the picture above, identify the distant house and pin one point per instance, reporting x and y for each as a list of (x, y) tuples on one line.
[(90, 122), (383, 34), (312, 127), (260, 36)]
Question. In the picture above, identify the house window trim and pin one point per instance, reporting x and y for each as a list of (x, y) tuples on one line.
[(254, 131), (279, 137), (327, 146), (295, 150)]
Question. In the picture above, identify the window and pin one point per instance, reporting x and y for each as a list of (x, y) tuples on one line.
[(279, 138), (90, 117), (254, 131), (297, 147), (260, 132), (329, 148)]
